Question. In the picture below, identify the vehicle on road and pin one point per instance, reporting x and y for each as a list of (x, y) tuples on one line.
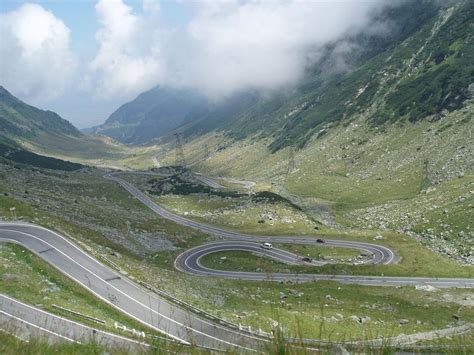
[(319, 240), (267, 245), (306, 259)]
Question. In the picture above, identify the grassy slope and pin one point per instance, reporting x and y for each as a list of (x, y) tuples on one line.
[(46, 133), (397, 175), (357, 171), (389, 179)]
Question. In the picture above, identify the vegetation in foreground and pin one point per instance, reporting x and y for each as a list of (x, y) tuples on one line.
[(10, 345)]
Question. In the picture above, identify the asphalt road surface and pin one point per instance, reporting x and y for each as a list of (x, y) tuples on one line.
[(116, 290), (208, 181), (189, 260), (381, 254)]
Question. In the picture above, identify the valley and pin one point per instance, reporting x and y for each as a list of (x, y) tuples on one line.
[(138, 264), (332, 214)]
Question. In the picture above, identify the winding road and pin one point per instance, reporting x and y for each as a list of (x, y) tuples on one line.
[(189, 260), (123, 294), (162, 315)]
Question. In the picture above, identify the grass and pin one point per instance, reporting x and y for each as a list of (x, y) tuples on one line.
[(98, 224), (320, 252), (240, 214), (324, 310), (11, 345), (243, 261), (360, 180)]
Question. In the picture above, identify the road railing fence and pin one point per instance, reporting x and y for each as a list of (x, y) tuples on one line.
[(80, 315)]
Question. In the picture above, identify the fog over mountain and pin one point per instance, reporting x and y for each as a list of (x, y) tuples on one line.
[(226, 47), (222, 48)]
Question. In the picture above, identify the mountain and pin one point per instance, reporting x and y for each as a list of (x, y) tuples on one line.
[(426, 55), (30, 135), (22, 120), (418, 72), (386, 145), (151, 115)]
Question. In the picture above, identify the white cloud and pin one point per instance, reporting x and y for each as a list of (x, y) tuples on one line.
[(151, 6), (226, 47), (36, 62), (266, 44), (127, 61)]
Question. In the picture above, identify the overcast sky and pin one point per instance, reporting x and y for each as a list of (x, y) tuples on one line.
[(84, 58)]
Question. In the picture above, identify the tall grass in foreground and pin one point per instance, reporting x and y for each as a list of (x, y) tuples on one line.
[(281, 345)]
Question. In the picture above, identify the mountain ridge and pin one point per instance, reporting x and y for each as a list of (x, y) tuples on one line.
[(33, 135), (25, 120)]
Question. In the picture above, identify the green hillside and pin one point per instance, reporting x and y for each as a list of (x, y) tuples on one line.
[(22, 120), (421, 66), (25, 130), (388, 146), (152, 115)]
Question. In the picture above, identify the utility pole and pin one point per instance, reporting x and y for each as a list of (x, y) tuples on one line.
[(206, 151), (180, 161), (291, 161)]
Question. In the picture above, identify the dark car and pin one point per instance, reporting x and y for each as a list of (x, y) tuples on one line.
[(306, 259), (320, 240)]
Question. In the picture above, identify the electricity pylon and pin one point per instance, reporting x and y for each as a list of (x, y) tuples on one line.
[(180, 161)]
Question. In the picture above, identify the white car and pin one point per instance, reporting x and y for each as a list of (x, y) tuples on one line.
[(267, 245)]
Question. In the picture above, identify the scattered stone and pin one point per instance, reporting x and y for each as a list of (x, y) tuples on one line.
[(219, 301), (339, 315), (428, 288), (7, 277), (116, 254)]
